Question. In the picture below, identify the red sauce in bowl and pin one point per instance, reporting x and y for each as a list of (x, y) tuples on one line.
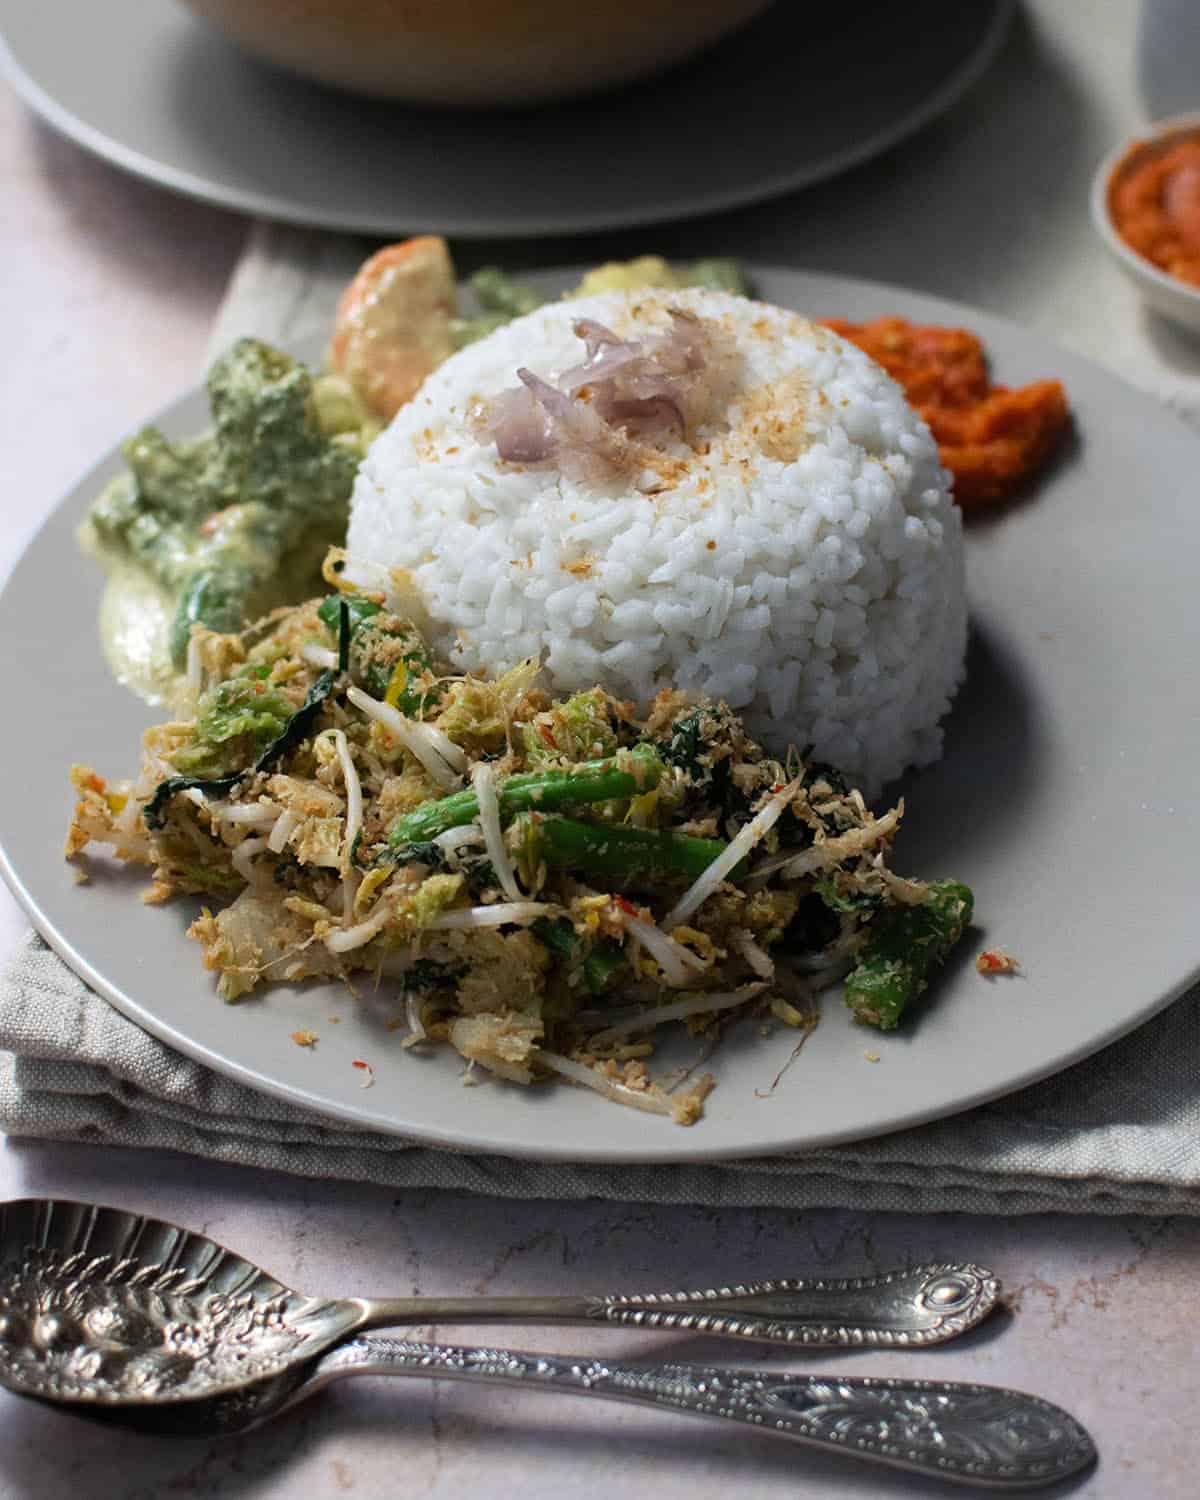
[(1154, 204)]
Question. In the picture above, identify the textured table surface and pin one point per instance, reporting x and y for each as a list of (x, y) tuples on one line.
[(108, 294)]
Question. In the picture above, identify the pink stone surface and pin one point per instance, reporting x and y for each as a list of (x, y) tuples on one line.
[(108, 291)]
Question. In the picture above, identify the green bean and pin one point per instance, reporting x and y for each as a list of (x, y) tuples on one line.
[(605, 849), (907, 944), (590, 781)]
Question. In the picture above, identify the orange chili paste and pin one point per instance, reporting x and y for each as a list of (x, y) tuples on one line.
[(1154, 202), (992, 438)]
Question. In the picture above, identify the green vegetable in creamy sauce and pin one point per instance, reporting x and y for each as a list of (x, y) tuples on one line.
[(232, 523)]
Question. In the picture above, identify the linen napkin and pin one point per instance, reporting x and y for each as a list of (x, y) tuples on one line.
[(1118, 1133)]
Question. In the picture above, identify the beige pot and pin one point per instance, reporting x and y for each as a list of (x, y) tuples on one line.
[(474, 52)]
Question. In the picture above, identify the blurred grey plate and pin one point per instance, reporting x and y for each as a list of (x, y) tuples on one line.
[(800, 94), (1066, 797)]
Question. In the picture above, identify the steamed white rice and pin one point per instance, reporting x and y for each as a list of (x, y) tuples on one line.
[(805, 565)]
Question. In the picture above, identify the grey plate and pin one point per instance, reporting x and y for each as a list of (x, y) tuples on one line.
[(144, 84), (1066, 798)]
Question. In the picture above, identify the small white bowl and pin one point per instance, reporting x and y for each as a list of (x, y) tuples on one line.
[(1173, 298)]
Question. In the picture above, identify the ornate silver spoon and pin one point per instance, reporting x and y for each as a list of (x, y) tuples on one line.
[(98, 1304), (974, 1434), (980, 1435)]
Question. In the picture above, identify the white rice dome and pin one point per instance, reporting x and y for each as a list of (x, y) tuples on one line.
[(807, 568)]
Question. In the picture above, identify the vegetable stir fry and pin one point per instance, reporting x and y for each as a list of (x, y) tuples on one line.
[(231, 522), (548, 884)]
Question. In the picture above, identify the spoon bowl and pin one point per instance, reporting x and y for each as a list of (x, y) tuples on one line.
[(102, 1306)]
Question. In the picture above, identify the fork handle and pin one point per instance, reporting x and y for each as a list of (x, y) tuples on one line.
[(906, 1308), (974, 1434)]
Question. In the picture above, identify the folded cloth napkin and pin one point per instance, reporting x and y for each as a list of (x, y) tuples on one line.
[(1119, 1133)]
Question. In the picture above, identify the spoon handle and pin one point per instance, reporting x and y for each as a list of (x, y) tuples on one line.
[(973, 1434), (907, 1308)]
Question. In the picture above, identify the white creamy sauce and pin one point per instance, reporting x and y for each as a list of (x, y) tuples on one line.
[(135, 623)]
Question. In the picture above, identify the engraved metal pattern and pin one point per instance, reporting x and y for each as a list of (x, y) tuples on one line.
[(974, 1434), (924, 1305), (97, 1305)]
